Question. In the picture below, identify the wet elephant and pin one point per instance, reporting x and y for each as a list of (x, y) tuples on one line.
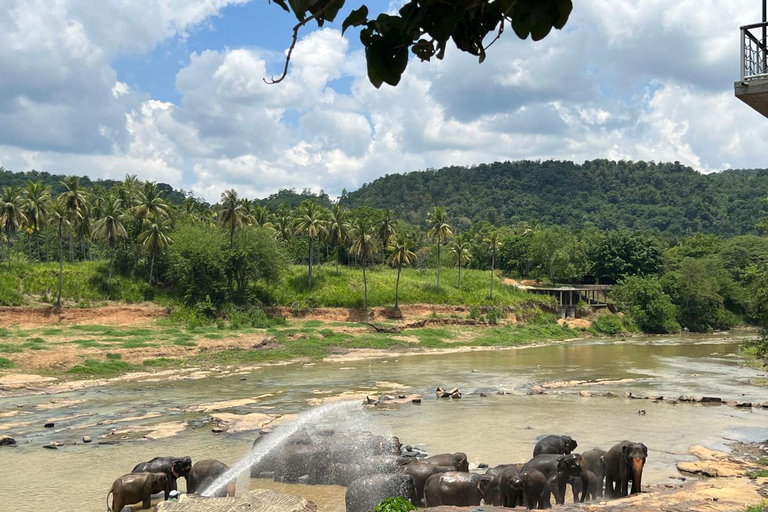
[(593, 487), (298, 460), (536, 489), (457, 460), (624, 462), (555, 445), (173, 467), (134, 488), (594, 461), (557, 469), (493, 495), (204, 473), (456, 488), (420, 472), (511, 489), (365, 493)]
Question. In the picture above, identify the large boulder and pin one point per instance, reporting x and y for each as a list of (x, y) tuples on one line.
[(262, 500)]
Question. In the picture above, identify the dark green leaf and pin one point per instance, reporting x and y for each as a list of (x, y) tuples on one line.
[(355, 19), (520, 28), (282, 4)]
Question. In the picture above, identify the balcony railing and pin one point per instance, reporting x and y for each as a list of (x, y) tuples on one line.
[(754, 56)]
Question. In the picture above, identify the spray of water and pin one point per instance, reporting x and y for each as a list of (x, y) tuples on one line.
[(276, 438)]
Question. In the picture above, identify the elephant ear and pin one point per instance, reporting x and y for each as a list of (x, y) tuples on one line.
[(483, 484), (645, 449)]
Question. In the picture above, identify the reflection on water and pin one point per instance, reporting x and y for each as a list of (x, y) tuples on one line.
[(494, 429)]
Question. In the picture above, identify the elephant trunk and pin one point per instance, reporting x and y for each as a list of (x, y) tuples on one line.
[(637, 474)]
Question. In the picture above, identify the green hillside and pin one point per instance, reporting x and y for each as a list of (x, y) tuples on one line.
[(666, 197)]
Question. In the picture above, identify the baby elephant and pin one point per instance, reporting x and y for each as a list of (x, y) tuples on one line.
[(134, 488), (557, 445), (204, 473), (456, 488)]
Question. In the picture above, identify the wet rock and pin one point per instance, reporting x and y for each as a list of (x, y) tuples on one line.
[(656, 398), (416, 401), (536, 390), (712, 463), (262, 500), (586, 393), (87, 439), (50, 424), (7, 441), (610, 394), (50, 447), (108, 442), (482, 465), (217, 430), (483, 395), (685, 398), (709, 400)]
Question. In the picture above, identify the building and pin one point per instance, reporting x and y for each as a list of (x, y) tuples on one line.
[(752, 89)]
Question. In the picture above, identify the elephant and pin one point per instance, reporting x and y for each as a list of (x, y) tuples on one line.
[(594, 461), (365, 493), (557, 469), (555, 445), (173, 467), (344, 473), (593, 487), (136, 487), (510, 487), (456, 488), (536, 489), (295, 461), (624, 462), (457, 460), (493, 495), (204, 473), (420, 472)]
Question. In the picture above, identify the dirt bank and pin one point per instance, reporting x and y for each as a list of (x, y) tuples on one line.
[(405, 312), (110, 315)]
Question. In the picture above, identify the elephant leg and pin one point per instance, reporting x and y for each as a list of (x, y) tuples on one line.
[(117, 502), (231, 489)]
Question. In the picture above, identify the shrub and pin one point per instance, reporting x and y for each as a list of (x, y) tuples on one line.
[(6, 363), (645, 301), (542, 318), (611, 325), (475, 313), (396, 504), (493, 316), (94, 367)]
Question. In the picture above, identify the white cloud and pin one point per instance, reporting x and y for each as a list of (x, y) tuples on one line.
[(626, 79)]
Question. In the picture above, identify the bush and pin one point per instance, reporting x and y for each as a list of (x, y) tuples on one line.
[(493, 316), (611, 325), (396, 504), (649, 307), (93, 367), (6, 363), (542, 318)]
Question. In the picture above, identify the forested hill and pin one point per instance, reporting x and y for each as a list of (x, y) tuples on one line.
[(666, 197)]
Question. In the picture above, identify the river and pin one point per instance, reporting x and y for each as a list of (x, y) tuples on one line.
[(493, 429)]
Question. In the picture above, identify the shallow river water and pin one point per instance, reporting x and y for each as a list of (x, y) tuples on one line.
[(493, 429)]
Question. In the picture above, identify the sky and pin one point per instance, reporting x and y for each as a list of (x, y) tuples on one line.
[(173, 91)]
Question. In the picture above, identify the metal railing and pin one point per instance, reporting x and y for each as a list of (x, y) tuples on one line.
[(754, 55)]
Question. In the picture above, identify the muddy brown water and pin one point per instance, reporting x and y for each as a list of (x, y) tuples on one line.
[(493, 429)]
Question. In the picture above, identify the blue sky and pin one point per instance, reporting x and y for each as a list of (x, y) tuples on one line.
[(174, 92)]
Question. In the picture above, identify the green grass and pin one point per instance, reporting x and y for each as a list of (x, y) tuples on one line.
[(6, 363), (756, 508), (612, 325), (11, 349), (759, 473), (92, 367), (417, 286)]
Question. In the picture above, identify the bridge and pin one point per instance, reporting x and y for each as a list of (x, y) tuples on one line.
[(593, 295), (752, 89)]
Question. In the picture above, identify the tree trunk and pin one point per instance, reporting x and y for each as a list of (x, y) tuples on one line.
[(30, 257), (37, 242), (459, 275), (397, 286), (365, 287), (337, 260), (109, 279), (493, 264), (61, 267), (231, 236), (9, 251), (151, 267), (438, 263), (310, 261), (71, 246)]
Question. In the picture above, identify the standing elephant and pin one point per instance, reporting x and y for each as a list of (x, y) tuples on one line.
[(555, 445), (456, 488), (594, 461), (457, 460), (420, 472), (173, 467), (134, 488), (511, 488), (493, 494), (204, 473), (593, 487), (365, 493), (624, 462), (557, 469), (536, 488)]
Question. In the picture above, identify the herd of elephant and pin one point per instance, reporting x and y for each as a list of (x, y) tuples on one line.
[(159, 475), (374, 468)]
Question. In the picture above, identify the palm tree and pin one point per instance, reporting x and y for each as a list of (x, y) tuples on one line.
[(460, 254), (261, 216), (387, 228), (73, 198), (494, 243), (11, 214), (155, 239), (402, 256), (310, 221), (364, 246), (110, 228), (439, 231), (59, 214), (338, 230), (38, 198), (232, 214)]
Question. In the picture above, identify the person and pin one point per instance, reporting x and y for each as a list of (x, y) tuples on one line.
[(174, 496)]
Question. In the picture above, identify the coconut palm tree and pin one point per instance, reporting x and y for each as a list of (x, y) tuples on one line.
[(401, 256), (74, 200), (364, 246), (155, 239), (387, 228), (59, 215), (11, 214), (232, 214), (439, 231), (494, 243), (310, 221), (261, 216), (338, 230), (110, 228), (460, 254), (37, 200)]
